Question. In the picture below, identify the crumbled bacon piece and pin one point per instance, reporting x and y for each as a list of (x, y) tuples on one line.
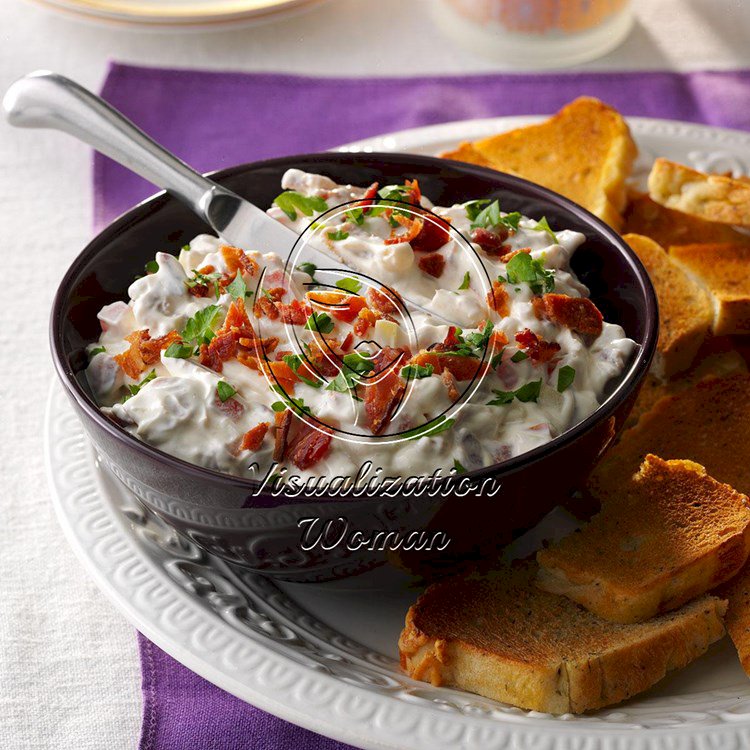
[(276, 293), (281, 434), (382, 300), (434, 234), (265, 307), (236, 259), (451, 339), (537, 348), (498, 300), (354, 305), (450, 383), (253, 438), (384, 394), (226, 343), (143, 351), (579, 314), (283, 375), (368, 198), (309, 446), (415, 192), (512, 254), (493, 243), (365, 319), (347, 343), (295, 312), (432, 264), (461, 368), (203, 290), (413, 226)]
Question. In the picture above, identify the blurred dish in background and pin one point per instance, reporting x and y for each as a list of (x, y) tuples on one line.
[(179, 15), (537, 33)]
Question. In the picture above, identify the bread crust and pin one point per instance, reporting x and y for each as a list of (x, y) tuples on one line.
[(707, 196), (671, 534), (737, 594), (500, 637), (685, 311), (723, 270), (708, 423), (584, 152), (669, 227)]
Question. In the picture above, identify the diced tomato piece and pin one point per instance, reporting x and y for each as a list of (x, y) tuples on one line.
[(579, 314), (253, 438), (347, 343), (309, 446)]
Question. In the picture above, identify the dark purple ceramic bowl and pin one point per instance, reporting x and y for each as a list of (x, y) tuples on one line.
[(223, 513)]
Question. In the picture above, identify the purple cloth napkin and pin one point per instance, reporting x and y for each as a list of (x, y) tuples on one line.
[(214, 120)]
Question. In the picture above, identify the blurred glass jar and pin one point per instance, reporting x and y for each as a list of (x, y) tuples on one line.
[(537, 33)]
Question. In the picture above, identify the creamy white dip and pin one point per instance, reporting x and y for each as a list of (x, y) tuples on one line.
[(518, 401)]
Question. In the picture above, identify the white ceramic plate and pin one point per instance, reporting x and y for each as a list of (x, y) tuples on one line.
[(324, 656), (178, 15)]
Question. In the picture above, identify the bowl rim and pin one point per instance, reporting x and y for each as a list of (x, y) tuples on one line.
[(630, 380)]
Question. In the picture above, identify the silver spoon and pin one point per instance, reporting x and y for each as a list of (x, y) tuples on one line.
[(48, 100)]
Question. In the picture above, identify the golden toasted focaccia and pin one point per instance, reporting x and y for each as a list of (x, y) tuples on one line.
[(685, 313), (724, 272), (708, 196), (585, 152), (672, 534), (708, 423), (669, 227), (501, 636)]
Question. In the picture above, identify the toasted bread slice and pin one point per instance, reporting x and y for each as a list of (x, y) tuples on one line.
[(685, 313), (672, 534), (585, 152), (708, 423), (502, 637), (466, 152), (724, 271), (709, 364), (708, 196), (737, 594), (669, 227)]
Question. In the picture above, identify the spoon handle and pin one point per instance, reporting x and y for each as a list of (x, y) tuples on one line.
[(48, 100)]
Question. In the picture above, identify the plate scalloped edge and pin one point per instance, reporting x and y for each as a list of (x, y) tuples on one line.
[(192, 606)]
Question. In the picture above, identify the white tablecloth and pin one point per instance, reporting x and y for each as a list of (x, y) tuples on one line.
[(69, 674)]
